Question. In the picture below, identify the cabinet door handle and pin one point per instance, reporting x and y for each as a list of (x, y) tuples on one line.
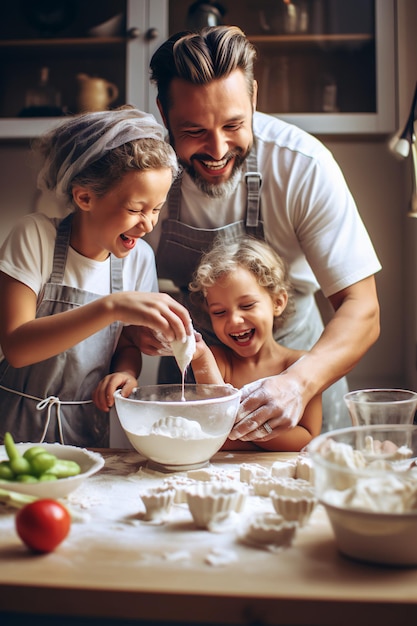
[(151, 33), (133, 33)]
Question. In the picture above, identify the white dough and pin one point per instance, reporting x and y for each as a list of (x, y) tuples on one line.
[(251, 471), (177, 426), (184, 352), (282, 469), (382, 494), (304, 469)]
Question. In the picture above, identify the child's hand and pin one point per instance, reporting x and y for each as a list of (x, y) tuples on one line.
[(150, 342), (201, 347), (204, 364), (157, 311), (103, 394)]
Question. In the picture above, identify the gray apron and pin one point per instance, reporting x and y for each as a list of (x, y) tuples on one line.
[(51, 400), (182, 246), (179, 252)]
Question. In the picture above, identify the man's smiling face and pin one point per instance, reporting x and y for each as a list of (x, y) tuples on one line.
[(210, 128)]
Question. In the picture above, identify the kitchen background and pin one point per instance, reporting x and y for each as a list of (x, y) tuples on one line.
[(364, 65)]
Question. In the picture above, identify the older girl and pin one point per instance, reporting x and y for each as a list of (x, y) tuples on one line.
[(71, 287)]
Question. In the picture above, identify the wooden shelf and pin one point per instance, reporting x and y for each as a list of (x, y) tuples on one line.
[(106, 41), (70, 41), (308, 38)]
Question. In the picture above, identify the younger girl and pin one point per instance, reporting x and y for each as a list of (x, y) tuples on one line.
[(243, 287), (71, 287)]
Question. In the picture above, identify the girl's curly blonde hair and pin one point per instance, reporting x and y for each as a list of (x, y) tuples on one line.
[(254, 255)]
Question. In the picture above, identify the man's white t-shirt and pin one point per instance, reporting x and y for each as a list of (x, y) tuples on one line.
[(27, 255)]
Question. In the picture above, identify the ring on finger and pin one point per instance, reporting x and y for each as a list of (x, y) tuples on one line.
[(267, 427)]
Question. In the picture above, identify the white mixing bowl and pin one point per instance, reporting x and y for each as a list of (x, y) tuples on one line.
[(174, 434)]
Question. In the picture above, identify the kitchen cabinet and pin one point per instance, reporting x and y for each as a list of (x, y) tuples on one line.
[(75, 38), (326, 65)]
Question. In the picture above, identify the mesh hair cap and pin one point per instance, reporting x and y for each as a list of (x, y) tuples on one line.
[(77, 143)]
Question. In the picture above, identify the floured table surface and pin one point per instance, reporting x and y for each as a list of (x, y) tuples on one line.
[(116, 564)]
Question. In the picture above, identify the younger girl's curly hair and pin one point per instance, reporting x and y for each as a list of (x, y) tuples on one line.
[(254, 255)]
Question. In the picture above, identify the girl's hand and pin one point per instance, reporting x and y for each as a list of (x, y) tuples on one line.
[(201, 348), (103, 394), (150, 343), (204, 364), (157, 311), (26, 339)]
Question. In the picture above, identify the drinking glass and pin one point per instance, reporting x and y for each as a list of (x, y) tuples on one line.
[(381, 406)]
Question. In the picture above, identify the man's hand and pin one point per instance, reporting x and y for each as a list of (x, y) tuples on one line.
[(268, 406)]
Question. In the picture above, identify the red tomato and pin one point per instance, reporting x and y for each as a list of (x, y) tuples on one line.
[(42, 525)]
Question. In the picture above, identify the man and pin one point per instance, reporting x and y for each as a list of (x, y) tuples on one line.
[(249, 172)]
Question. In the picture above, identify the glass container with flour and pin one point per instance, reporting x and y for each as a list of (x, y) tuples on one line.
[(366, 479)]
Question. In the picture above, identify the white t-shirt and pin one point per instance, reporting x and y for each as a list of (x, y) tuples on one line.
[(27, 255), (309, 215)]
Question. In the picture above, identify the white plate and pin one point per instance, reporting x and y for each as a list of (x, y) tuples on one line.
[(90, 463)]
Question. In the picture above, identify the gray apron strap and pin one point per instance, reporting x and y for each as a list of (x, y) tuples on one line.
[(116, 274), (253, 180), (61, 250), (174, 199), (62, 244)]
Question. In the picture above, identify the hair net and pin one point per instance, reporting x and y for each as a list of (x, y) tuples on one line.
[(77, 143)]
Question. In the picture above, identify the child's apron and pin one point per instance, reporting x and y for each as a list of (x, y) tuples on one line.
[(51, 400)]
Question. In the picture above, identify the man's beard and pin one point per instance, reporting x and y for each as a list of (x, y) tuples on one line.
[(218, 190)]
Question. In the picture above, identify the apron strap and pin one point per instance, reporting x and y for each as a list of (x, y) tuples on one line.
[(61, 250), (61, 253), (116, 274), (253, 180), (174, 199)]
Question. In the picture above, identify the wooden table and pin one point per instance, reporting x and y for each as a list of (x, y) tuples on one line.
[(116, 565)]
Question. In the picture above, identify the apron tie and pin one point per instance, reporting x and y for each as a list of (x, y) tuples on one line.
[(48, 402)]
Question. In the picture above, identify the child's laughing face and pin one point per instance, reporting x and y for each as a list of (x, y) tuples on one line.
[(127, 212), (242, 312)]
